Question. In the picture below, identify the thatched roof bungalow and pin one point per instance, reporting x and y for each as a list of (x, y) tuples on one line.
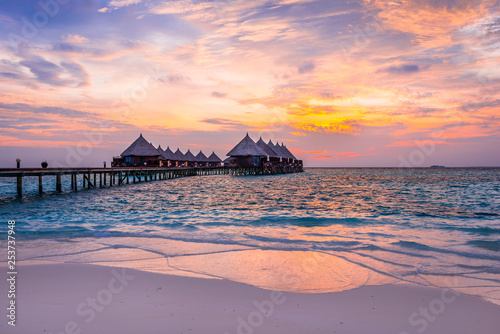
[(287, 152), (278, 150), (271, 155), (214, 161), (180, 158), (190, 158), (201, 159), (168, 157), (169, 154), (247, 153), (141, 153), (291, 154)]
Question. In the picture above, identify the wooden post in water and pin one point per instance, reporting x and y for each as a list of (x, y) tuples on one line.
[(95, 180), (20, 185), (75, 176), (72, 182), (40, 186), (58, 183)]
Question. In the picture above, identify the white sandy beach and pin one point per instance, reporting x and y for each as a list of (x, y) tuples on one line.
[(78, 298)]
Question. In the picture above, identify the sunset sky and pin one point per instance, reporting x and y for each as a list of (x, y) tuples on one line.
[(341, 83)]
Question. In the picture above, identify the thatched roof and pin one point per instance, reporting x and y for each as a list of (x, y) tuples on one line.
[(141, 148), (159, 149), (179, 156), (269, 151), (214, 158), (190, 157), (277, 149), (287, 151), (284, 151), (246, 148), (168, 154), (227, 160), (200, 157)]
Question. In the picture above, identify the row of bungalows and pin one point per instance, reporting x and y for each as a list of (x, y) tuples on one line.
[(248, 153), (143, 153)]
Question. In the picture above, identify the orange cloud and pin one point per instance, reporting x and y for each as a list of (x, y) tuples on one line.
[(328, 127), (419, 143), (432, 22)]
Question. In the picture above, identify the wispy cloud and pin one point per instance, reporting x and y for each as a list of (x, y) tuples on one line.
[(404, 69), (66, 73), (23, 107)]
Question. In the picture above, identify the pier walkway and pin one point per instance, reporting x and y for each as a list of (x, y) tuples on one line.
[(93, 178)]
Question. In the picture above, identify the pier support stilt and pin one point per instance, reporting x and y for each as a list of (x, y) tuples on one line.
[(19, 186), (40, 186), (58, 183)]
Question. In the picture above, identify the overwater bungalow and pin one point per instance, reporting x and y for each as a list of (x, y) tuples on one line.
[(139, 153), (274, 159), (168, 158), (190, 158), (271, 155), (279, 152), (227, 162), (201, 160), (288, 154), (247, 154), (180, 159), (214, 161)]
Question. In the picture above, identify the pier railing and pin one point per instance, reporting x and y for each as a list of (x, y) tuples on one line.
[(110, 177)]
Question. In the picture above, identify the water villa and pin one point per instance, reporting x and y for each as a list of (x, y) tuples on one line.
[(214, 161), (139, 153), (272, 158), (201, 160)]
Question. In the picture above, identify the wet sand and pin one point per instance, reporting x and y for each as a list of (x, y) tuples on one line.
[(81, 298)]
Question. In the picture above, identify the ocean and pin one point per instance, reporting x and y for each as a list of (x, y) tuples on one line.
[(323, 230)]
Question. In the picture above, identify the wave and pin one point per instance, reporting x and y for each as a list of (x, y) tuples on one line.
[(492, 245), (486, 230), (484, 244)]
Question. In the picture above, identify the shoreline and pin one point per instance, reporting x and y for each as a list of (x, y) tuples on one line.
[(85, 298)]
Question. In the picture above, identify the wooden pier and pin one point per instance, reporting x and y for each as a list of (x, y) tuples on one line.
[(93, 178)]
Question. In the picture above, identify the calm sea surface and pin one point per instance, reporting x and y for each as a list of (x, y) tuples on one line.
[(322, 230)]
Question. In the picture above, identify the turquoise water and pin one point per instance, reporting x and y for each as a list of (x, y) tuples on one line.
[(409, 224)]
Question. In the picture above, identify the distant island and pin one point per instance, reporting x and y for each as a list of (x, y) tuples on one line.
[(437, 166)]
